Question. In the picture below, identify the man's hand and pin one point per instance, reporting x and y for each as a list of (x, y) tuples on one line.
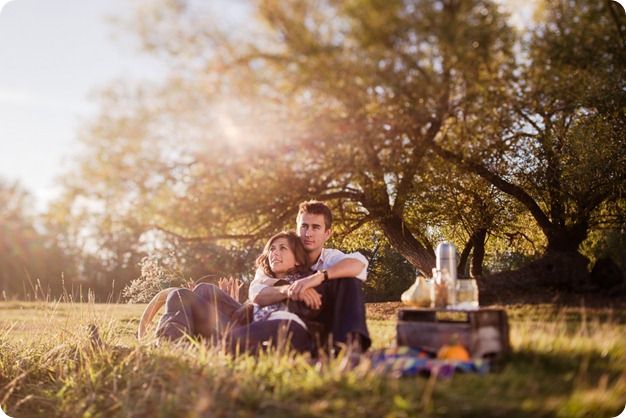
[(309, 307), (311, 298), (297, 289)]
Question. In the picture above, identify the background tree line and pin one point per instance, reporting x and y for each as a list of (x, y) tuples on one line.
[(417, 121)]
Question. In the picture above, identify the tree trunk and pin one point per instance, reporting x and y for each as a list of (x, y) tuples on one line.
[(566, 239), (478, 240), (462, 265), (403, 241)]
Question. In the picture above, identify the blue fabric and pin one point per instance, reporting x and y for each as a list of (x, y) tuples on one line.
[(409, 361)]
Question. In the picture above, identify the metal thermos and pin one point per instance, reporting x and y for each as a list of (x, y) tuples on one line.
[(446, 262)]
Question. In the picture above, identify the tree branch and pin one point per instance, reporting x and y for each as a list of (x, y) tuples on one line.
[(207, 238), (509, 188)]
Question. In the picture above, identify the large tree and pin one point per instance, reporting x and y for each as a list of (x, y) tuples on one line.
[(345, 101), (565, 157), (337, 101)]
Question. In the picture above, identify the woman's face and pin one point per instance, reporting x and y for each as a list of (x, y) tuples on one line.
[(281, 257)]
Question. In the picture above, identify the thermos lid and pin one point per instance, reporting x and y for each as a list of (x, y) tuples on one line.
[(446, 249)]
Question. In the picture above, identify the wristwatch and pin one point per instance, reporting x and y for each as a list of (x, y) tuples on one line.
[(325, 272)]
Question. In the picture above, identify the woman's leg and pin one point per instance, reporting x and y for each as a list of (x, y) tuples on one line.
[(179, 318), (261, 335), (215, 319), (203, 312)]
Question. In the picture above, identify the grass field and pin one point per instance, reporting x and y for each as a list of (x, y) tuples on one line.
[(565, 362)]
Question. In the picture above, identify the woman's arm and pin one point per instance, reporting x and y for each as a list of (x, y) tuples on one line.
[(271, 294), (274, 294)]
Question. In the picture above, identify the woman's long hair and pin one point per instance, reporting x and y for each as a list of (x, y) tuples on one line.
[(302, 267)]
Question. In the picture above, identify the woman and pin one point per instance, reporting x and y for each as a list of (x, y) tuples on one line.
[(210, 313)]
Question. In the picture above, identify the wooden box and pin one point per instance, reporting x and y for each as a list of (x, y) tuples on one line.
[(484, 332)]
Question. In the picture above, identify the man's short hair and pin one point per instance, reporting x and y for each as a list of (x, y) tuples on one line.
[(315, 207)]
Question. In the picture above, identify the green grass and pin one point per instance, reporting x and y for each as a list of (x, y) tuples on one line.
[(565, 362)]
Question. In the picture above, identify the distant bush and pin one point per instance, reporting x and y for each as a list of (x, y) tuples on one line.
[(389, 275), (154, 278)]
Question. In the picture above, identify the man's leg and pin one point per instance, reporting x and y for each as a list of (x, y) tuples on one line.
[(343, 312)]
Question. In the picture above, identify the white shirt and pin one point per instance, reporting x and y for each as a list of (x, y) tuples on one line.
[(328, 258)]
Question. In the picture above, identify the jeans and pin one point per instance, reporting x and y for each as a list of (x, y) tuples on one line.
[(206, 312), (343, 313)]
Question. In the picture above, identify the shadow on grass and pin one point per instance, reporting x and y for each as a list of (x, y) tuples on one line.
[(533, 384)]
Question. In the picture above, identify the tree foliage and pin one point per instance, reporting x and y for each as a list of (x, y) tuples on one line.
[(417, 119), (32, 263)]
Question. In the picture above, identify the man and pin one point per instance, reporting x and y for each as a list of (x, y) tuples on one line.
[(335, 288)]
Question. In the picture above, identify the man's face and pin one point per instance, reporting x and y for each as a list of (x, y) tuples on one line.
[(312, 231)]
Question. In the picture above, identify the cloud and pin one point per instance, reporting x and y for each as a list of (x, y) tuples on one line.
[(23, 98), (4, 3), (26, 99)]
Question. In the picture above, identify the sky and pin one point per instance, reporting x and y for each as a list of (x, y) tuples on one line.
[(54, 55)]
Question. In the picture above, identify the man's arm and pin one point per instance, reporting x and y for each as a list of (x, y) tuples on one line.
[(346, 264), (345, 267), (348, 267)]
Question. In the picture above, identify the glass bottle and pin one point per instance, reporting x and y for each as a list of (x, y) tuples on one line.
[(440, 289), (466, 294)]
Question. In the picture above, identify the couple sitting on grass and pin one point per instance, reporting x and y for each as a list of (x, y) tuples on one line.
[(303, 295)]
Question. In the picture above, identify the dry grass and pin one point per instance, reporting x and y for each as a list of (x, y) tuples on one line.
[(566, 362)]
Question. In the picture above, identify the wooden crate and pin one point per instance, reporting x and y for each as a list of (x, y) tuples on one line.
[(484, 332)]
